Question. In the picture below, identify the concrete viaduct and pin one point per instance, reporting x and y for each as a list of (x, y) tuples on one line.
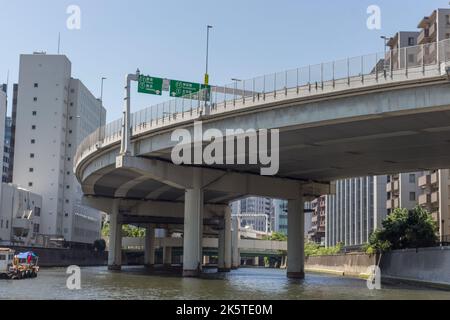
[(390, 120)]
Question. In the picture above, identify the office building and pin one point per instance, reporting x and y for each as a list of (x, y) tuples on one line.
[(355, 211), (54, 113), (316, 232)]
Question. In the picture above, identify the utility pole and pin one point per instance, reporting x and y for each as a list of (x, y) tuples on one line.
[(206, 82), (125, 147)]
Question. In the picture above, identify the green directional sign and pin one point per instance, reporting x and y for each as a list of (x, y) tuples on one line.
[(150, 85), (182, 89)]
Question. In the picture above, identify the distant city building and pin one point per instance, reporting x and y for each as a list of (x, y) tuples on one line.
[(402, 191), (435, 27), (7, 172), (401, 40), (355, 211), (280, 216), (3, 106), (19, 216), (316, 231), (54, 114), (255, 213)]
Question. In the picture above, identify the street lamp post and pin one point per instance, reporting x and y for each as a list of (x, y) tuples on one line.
[(206, 82), (101, 107)]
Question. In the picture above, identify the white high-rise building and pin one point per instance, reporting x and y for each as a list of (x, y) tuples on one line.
[(357, 210), (54, 113)]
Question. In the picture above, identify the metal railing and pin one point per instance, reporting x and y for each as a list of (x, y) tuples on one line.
[(395, 65)]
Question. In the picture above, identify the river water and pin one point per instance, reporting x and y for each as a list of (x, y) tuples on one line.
[(245, 283)]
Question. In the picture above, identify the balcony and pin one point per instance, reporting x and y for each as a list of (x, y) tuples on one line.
[(435, 216), (435, 198), (396, 203), (434, 178), (389, 204), (425, 199), (421, 39), (389, 187), (425, 181)]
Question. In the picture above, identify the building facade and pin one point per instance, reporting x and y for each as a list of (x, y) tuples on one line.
[(435, 198), (316, 232), (255, 213), (355, 211), (54, 113), (402, 191), (19, 216)]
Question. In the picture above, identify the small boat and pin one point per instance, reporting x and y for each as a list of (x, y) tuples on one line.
[(21, 266)]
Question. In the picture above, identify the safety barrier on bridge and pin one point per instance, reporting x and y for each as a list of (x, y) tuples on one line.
[(396, 65)]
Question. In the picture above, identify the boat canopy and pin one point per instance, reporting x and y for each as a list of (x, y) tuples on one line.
[(24, 255)]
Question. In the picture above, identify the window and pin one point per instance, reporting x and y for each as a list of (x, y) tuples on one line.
[(33, 127), (37, 212), (30, 184), (427, 32), (34, 113), (411, 58), (412, 178), (36, 85), (35, 99), (412, 196), (36, 228), (447, 19), (33, 141), (411, 41), (31, 170), (32, 155)]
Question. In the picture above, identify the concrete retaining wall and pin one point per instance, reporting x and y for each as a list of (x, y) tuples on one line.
[(354, 264), (427, 265), (52, 257)]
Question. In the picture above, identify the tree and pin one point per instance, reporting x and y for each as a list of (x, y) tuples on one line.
[(276, 236), (405, 229), (127, 231)]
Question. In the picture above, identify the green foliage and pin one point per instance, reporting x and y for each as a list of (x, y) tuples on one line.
[(127, 231), (314, 249), (100, 245), (276, 236), (404, 229)]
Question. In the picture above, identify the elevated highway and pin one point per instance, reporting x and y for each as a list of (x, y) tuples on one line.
[(377, 120)]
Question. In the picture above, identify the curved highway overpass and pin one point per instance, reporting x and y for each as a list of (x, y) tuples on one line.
[(386, 120)]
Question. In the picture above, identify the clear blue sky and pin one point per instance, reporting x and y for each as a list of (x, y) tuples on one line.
[(167, 38)]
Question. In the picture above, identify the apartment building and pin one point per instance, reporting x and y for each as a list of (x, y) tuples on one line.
[(434, 28), (435, 198), (402, 191), (316, 231), (403, 39), (10, 133), (355, 211), (54, 113)]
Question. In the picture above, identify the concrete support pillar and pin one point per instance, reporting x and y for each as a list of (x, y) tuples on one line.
[(221, 251), (296, 239), (228, 237), (235, 257), (193, 228), (256, 261), (167, 256), (115, 238), (149, 246)]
